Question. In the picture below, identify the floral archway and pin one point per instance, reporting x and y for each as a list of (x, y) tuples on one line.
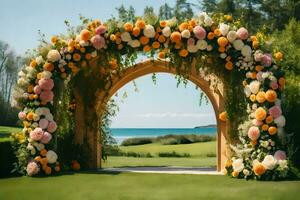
[(95, 53)]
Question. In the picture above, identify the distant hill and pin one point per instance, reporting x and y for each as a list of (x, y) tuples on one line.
[(207, 126)]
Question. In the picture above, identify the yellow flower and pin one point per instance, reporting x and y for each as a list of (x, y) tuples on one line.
[(54, 39), (183, 53), (223, 116), (278, 56)]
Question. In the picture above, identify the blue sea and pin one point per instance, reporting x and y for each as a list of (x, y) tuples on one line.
[(121, 134)]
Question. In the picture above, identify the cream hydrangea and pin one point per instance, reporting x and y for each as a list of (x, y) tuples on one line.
[(125, 37), (51, 157), (186, 34), (238, 165), (149, 31), (53, 55), (224, 28), (269, 162), (201, 44)]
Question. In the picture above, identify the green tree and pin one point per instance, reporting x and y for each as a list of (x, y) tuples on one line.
[(126, 15), (183, 10), (150, 15), (165, 12)]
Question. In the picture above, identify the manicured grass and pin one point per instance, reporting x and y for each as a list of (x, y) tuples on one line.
[(200, 149), (123, 161), (144, 186), (5, 132)]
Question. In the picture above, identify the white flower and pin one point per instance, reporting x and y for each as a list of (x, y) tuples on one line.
[(125, 37), (51, 156), (238, 165), (223, 55), (254, 86), (280, 121), (22, 82), (149, 31), (246, 51), (209, 47), (166, 31), (83, 43), (39, 60), (46, 74), (238, 44), (39, 146), (186, 33), (247, 91), (208, 21), (201, 44), (202, 15), (231, 36), (94, 54), (283, 164), (134, 43), (192, 48), (21, 74), (269, 162), (224, 28), (68, 57), (53, 55), (31, 149), (246, 172)]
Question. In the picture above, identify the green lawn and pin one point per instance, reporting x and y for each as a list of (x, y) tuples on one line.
[(5, 132), (144, 186), (122, 161), (200, 149)]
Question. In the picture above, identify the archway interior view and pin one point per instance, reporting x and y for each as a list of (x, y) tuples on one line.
[(160, 124)]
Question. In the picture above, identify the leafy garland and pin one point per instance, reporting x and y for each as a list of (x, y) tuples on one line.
[(95, 53)]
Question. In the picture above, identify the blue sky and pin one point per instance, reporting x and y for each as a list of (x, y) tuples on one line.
[(161, 105)]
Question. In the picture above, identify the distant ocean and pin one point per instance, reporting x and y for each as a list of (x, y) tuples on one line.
[(121, 134)]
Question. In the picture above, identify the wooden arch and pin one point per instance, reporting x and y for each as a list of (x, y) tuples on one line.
[(216, 98)]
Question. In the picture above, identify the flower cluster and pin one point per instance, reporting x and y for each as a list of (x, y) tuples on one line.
[(167, 39)]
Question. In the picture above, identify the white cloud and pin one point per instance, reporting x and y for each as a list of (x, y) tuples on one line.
[(175, 115)]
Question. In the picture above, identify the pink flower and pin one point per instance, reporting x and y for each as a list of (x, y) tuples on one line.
[(43, 123), (98, 42), (100, 30), (275, 111), (22, 115), (46, 138), (32, 168), (267, 60), (36, 134), (46, 84), (253, 133), (46, 96), (37, 89), (280, 155), (259, 76), (258, 56), (52, 127), (256, 122), (274, 85), (199, 32), (242, 33), (191, 41)]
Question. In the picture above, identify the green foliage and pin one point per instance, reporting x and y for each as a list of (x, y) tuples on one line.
[(7, 158), (137, 141), (173, 154)]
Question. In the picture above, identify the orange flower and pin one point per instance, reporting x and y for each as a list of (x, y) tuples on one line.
[(210, 35), (221, 49), (252, 97), (272, 130), (76, 57), (48, 67), (258, 68), (161, 55), (192, 23), (183, 53), (113, 37), (178, 45), (48, 170), (278, 56), (269, 119), (161, 39), (222, 41), (253, 75), (144, 40), (261, 97), (259, 169), (183, 26), (118, 41), (54, 39), (229, 65), (57, 168), (147, 48), (30, 89), (255, 44), (163, 23), (88, 56), (228, 18), (44, 161), (265, 127), (223, 116), (85, 35), (217, 32), (128, 26), (33, 63), (253, 142), (281, 81), (155, 45), (175, 37), (228, 163), (136, 31), (113, 63), (29, 116), (75, 165), (235, 173), (140, 23), (260, 114), (38, 158), (271, 96), (43, 152)]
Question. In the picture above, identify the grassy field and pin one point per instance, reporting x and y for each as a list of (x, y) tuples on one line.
[(144, 186), (200, 149), (5, 132), (122, 161)]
